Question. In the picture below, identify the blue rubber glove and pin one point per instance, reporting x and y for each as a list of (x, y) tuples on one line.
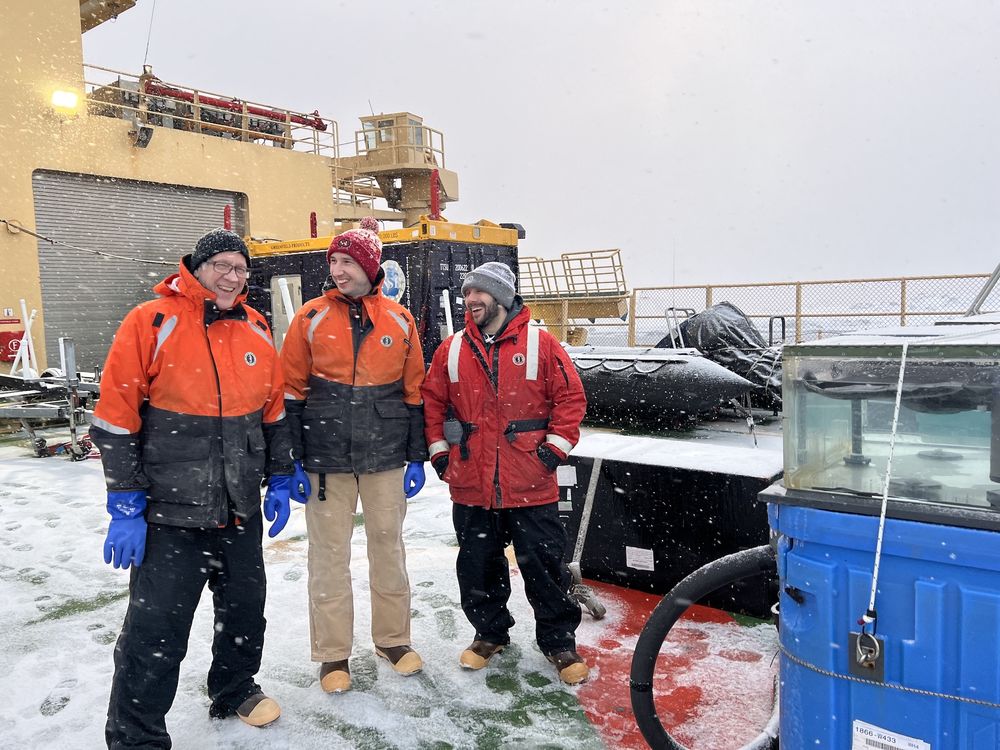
[(413, 479), (276, 507), (125, 543), (301, 486)]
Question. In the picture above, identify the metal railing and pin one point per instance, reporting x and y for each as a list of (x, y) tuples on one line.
[(795, 311), (147, 100), (353, 188), (588, 273), (410, 143)]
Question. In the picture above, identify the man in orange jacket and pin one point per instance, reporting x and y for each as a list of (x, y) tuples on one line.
[(503, 405), (190, 420), (353, 367)]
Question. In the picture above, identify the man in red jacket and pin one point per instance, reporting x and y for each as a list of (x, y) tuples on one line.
[(502, 408)]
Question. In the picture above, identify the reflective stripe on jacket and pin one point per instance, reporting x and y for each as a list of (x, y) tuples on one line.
[(191, 406), (353, 388), (525, 377)]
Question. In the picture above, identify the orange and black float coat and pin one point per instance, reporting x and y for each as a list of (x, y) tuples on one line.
[(192, 406), (510, 397), (353, 370)]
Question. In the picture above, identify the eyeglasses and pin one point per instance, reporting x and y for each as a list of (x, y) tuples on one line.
[(224, 268)]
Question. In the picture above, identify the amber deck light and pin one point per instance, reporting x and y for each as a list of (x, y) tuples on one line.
[(65, 101)]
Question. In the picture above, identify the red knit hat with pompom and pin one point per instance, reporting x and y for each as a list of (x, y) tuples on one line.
[(362, 244)]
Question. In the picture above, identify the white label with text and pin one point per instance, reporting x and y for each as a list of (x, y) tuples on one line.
[(639, 558), (871, 737)]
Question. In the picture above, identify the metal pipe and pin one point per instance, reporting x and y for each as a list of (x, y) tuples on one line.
[(984, 292), (435, 196)]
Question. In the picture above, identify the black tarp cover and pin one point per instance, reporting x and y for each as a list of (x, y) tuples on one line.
[(726, 336)]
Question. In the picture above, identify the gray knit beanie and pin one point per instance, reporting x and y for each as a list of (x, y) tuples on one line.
[(496, 279), (215, 242)]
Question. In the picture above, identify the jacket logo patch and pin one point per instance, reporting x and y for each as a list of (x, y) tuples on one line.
[(386, 341), (518, 359), (250, 358)]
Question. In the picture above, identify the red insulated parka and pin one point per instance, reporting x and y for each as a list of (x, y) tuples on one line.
[(512, 396), (192, 407)]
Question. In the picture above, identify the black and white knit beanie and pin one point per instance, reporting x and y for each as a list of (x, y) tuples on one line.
[(496, 279)]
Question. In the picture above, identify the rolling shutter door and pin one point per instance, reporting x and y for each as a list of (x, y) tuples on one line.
[(85, 296)]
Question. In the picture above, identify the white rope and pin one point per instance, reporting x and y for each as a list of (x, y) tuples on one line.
[(16, 228), (869, 615), (149, 34)]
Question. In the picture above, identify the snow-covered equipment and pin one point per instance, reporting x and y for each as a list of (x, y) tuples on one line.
[(726, 336), (888, 538), (59, 395), (652, 386), (663, 507)]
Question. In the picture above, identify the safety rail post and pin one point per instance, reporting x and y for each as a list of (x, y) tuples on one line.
[(196, 110), (708, 297), (632, 307), (798, 312), (902, 302), (143, 113)]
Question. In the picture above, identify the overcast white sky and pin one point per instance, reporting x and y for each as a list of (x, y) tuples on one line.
[(711, 141)]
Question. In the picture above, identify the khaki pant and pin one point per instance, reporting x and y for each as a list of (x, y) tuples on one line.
[(330, 525)]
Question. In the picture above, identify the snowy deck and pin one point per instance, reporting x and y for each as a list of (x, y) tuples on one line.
[(63, 608)]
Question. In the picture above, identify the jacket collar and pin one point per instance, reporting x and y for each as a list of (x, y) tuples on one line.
[(517, 319), (184, 284)]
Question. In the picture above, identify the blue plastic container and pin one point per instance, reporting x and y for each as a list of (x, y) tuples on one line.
[(938, 606)]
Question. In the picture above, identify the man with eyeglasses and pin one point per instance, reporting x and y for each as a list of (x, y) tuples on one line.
[(191, 419)]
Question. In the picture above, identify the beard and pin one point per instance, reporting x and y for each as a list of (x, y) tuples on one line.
[(490, 313)]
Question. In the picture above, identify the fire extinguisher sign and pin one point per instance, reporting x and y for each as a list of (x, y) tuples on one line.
[(10, 342)]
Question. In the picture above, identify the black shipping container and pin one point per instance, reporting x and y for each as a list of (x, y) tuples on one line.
[(429, 267)]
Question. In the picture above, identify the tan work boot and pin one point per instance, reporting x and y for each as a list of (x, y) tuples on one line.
[(258, 710), (403, 659), (479, 653), (335, 676), (571, 667)]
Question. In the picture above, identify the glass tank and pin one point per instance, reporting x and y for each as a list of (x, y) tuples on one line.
[(838, 409)]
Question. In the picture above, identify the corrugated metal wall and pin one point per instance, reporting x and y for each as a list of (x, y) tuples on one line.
[(85, 296)]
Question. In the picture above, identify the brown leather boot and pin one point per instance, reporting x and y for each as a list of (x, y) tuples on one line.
[(258, 710), (571, 667), (403, 659), (335, 676), (479, 653)]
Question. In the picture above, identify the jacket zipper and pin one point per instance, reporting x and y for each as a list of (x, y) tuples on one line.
[(223, 510), (495, 377), (358, 334)]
